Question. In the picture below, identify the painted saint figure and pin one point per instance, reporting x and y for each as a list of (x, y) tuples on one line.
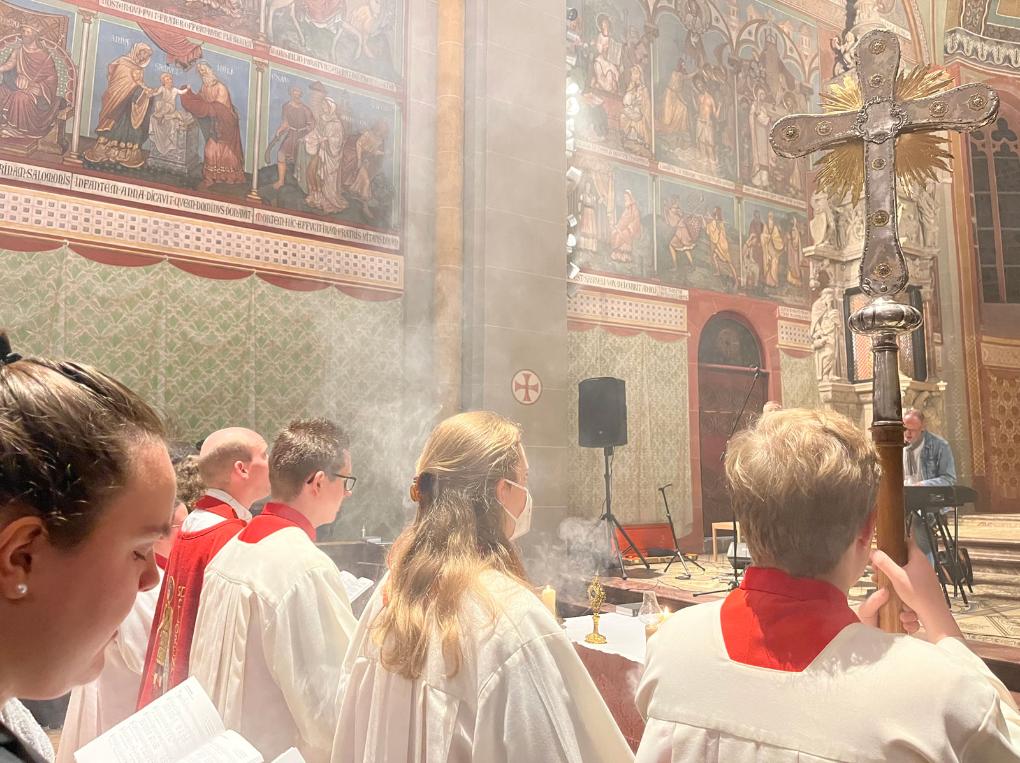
[(685, 231), (370, 149), (715, 229), (794, 253), (125, 112), (627, 230), (28, 88), (167, 121), (708, 113), (605, 73), (223, 161), (296, 122), (761, 152), (636, 117), (325, 144), (773, 244), (675, 112)]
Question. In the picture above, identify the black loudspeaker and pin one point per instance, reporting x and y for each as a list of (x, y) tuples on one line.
[(602, 413)]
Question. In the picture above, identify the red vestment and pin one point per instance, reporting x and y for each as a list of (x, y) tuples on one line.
[(777, 621), (173, 626)]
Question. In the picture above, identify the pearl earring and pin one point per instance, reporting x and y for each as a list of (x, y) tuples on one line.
[(21, 589)]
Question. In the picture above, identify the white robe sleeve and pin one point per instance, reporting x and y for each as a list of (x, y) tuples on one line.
[(305, 640), (542, 705), (998, 737)]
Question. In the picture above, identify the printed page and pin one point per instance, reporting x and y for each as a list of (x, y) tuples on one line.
[(165, 731), (226, 747), (355, 587), (290, 756)]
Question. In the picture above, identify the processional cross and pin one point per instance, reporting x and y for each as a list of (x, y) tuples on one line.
[(863, 125)]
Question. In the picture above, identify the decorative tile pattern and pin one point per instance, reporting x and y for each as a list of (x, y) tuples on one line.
[(1004, 432), (1000, 354), (800, 386), (658, 449), (211, 353), (794, 335), (618, 309), (97, 221)]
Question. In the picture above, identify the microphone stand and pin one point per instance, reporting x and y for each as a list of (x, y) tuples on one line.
[(735, 583), (676, 544)]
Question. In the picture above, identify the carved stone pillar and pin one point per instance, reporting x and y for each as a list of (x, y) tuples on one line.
[(260, 73), (87, 19)]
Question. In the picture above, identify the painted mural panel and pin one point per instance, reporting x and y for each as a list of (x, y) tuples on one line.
[(129, 103), (694, 87), (611, 63), (776, 75), (152, 120), (698, 237), (329, 150), (613, 204), (772, 252), (362, 37), (38, 79)]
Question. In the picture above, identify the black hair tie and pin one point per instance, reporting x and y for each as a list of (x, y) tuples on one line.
[(10, 357)]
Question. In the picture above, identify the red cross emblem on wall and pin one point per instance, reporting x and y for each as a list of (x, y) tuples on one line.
[(527, 387)]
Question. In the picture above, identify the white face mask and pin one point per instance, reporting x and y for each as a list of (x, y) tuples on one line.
[(522, 523)]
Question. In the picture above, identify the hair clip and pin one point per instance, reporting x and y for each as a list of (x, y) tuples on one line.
[(10, 357), (415, 492)]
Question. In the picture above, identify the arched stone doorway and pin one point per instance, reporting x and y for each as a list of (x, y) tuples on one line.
[(728, 353)]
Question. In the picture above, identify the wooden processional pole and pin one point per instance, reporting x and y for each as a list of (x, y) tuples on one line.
[(878, 124)]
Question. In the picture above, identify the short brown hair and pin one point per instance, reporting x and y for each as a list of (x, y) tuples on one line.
[(215, 466), (67, 434), (302, 449), (802, 483), (189, 483)]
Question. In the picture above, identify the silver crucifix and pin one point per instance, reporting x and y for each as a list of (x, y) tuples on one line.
[(877, 124)]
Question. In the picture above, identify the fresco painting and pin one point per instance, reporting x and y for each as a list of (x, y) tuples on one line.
[(329, 151)]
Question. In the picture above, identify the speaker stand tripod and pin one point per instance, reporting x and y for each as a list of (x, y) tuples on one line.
[(676, 545), (612, 524)]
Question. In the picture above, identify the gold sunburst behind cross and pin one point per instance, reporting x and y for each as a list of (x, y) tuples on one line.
[(918, 155)]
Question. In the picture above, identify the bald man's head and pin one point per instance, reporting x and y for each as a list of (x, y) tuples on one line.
[(234, 460)]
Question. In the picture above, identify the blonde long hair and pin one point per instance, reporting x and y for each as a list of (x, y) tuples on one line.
[(457, 534)]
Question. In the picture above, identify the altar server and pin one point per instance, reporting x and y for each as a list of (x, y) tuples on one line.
[(233, 465), (456, 659), (782, 669), (274, 620)]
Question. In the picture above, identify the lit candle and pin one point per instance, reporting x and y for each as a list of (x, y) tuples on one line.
[(549, 599)]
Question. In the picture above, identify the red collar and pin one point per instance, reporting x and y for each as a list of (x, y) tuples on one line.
[(779, 583), (781, 622), (276, 516), (216, 506), (161, 561)]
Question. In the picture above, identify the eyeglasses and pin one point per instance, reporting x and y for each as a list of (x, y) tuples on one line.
[(348, 481)]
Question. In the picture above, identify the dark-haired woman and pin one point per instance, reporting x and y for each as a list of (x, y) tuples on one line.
[(86, 490)]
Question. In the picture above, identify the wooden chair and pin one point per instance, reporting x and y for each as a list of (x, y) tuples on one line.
[(726, 527)]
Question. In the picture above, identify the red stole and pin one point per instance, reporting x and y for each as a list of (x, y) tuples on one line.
[(274, 517), (173, 626), (777, 621)]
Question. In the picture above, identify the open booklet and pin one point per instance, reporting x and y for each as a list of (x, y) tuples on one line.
[(354, 586), (182, 726)]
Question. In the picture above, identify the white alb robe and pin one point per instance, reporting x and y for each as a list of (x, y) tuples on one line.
[(100, 705), (521, 694), (868, 696), (273, 625)]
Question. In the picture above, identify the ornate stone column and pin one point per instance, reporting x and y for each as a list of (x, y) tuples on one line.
[(87, 19), (260, 73)]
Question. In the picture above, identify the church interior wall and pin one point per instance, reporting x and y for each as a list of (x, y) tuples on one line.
[(981, 44)]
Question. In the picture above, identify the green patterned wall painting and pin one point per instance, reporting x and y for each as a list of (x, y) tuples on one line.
[(211, 353), (800, 387), (658, 448)]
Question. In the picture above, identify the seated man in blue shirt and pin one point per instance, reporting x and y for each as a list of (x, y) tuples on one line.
[(927, 461)]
